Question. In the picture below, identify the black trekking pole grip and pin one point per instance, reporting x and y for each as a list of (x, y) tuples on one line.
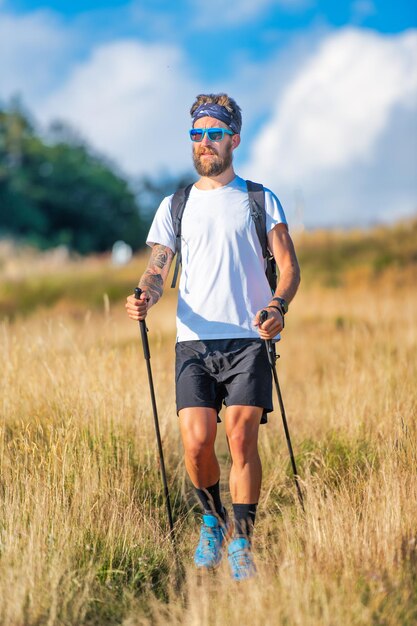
[(263, 316), (143, 329)]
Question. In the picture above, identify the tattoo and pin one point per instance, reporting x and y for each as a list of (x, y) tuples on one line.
[(153, 284), (155, 274), (160, 255)]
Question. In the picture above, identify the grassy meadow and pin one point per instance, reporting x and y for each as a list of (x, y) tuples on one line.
[(83, 530)]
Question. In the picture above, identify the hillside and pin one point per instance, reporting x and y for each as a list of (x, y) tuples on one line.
[(334, 257), (31, 280)]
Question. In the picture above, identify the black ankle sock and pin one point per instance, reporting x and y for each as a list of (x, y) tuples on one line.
[(244, 519), (210, 499)]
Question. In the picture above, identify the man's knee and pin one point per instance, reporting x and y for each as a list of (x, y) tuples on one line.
[(197, 449), (198, 432), (243, 445), (242, 433)]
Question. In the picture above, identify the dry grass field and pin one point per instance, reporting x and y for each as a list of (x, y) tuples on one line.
[(83, 531)]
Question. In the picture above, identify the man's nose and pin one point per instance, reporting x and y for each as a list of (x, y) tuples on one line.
[(206, 139)]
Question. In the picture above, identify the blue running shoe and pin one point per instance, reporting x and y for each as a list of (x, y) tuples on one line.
[(240, 558), (212, 536)]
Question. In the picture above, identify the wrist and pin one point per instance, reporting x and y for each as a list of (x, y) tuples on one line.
[(276, 308), (281, 303)]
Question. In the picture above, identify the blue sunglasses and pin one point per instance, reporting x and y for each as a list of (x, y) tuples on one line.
[(214, 134)]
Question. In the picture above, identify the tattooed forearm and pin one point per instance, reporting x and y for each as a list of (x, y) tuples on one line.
[(153, 284), (155, 274)]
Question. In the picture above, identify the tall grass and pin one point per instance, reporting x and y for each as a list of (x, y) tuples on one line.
[(83, 531)]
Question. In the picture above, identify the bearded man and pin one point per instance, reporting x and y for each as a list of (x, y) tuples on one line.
[(220, 349)]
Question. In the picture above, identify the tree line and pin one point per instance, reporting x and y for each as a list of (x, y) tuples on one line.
[(55, 191)]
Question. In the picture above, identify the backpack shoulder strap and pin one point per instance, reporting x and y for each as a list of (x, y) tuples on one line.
[(178, 203), (256, 195)]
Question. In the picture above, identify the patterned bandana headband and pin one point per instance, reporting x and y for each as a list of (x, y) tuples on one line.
[(220, 113)]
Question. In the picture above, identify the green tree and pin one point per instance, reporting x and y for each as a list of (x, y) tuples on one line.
[(60, 193)]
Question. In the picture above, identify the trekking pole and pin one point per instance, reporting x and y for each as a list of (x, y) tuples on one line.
[(147, 354), (271, 358)]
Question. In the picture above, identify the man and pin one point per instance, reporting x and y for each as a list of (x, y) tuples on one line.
[(220, 352)]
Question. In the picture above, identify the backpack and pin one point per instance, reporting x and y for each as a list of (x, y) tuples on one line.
[(256, 195)]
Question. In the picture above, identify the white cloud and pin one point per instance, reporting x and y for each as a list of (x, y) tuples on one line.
[(131, 101), (326, 128), (33, 51)]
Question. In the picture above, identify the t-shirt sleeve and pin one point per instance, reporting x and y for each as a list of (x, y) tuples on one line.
[(162, 230), (274, 211)]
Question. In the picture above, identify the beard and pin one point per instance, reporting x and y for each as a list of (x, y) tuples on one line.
[(215, 166)]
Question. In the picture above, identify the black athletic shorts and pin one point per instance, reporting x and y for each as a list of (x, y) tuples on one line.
[(230, 371)]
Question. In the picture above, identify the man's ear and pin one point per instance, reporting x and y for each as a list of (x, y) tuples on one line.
[(235, 141)]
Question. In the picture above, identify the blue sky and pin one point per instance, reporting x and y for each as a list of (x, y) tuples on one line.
[(328, 90)]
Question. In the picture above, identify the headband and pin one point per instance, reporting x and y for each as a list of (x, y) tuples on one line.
[(220, 113)]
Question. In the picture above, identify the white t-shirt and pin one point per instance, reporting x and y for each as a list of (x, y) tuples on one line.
[(223, 282)]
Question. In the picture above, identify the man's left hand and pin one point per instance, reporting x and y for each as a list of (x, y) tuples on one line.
[(272, 326)]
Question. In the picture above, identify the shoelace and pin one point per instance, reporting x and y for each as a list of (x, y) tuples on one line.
[(208, 536), (241, 560)]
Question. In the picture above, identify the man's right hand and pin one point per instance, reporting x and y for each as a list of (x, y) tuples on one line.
[(137, 309)]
